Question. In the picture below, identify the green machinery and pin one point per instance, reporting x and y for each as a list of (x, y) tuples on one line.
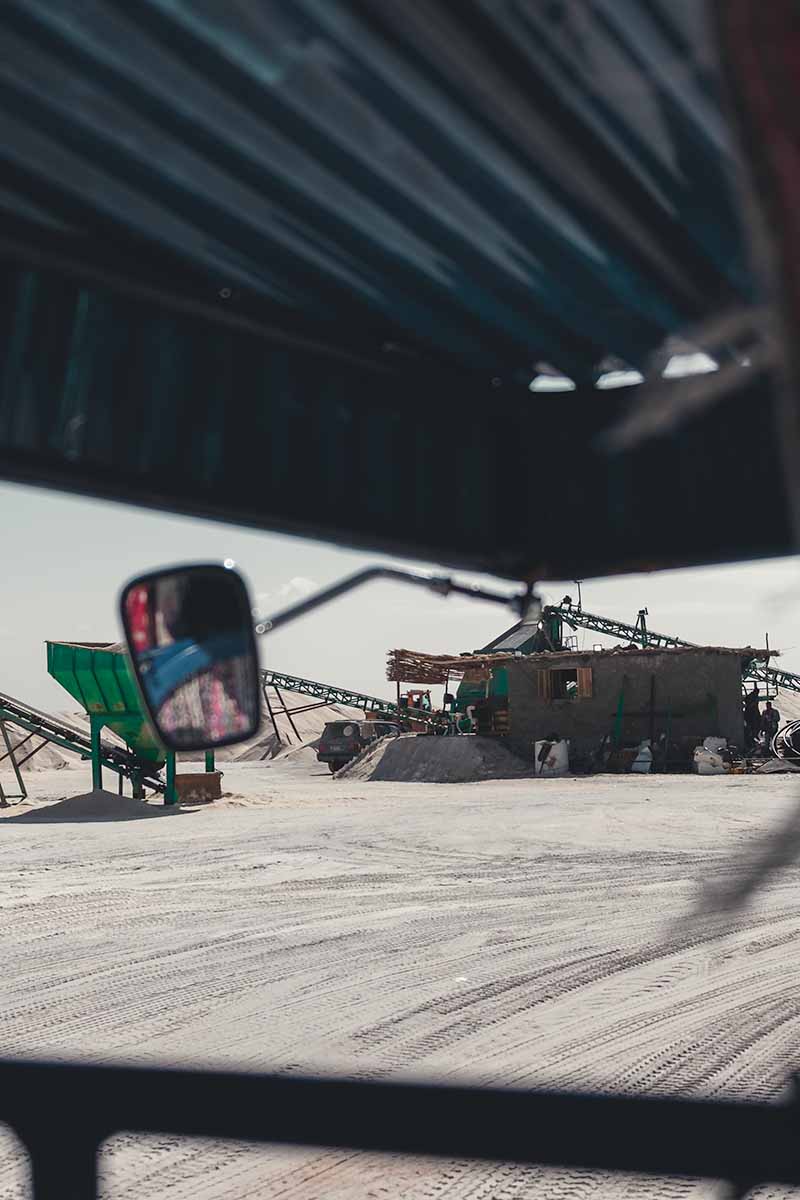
[(526, 637), (471, 691), (99, 676), (40, 729)]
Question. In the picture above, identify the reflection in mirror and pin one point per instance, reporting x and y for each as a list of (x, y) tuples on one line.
[(190, 638)]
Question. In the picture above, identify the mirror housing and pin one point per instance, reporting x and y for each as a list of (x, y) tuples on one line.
[(189, 633)]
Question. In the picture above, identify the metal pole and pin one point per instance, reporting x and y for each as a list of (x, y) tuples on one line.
[(282, 703), (308, 707), (210, 760), (268, 703), (523, 603), (23, 792), (96, 724), (30, 754), (170, 796), (617, 734), (18, 746)]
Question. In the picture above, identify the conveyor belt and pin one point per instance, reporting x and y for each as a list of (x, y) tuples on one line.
[(69, 737)]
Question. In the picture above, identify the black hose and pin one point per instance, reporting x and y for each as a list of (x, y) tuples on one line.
[(786, 742)]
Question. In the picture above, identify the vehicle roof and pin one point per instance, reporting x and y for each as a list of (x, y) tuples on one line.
[(331, 215), (397, 162)]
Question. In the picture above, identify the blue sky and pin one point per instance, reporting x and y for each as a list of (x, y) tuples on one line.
[(66, 557)]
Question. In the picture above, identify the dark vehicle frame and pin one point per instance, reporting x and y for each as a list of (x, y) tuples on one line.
[(63, 1112), (116, 272)]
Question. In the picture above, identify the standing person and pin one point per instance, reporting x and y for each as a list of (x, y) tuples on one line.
[(752, 717), (769, 723)]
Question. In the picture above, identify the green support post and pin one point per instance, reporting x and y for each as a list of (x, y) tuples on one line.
[(616, 737), (96, 725), (170, 796), (210, 760)]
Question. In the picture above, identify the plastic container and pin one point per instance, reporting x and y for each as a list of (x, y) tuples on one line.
[(643, 763), (706, 762), (557, 760)]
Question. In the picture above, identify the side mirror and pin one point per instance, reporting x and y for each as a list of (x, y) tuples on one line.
[(189, 632)]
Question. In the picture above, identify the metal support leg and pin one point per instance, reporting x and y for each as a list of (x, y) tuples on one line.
[(23, 791), (268, 703), (63, 1169), (96, 724), (18, 746), (282, 703), (210, 760), (170, 796)]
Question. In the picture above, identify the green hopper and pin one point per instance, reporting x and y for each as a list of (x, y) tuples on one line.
[(99, 676)]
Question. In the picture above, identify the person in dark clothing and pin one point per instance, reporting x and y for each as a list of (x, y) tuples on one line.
[(769, 723), (752, 717)]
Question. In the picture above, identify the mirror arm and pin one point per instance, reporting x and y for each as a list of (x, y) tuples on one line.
[(525, 603)]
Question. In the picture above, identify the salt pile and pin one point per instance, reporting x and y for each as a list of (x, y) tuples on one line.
[(97, 805), (46, 758), (437, 760)]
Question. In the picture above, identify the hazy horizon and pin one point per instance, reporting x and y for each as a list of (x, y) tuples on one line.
[(67, 556)]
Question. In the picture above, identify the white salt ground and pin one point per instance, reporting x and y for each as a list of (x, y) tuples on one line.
[(516, 932)]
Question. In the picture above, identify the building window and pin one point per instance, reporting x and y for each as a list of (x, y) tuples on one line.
[(563, 685), (573, 683)]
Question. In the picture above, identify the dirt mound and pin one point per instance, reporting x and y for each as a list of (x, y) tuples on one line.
[(98, 805), (437, 760)]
